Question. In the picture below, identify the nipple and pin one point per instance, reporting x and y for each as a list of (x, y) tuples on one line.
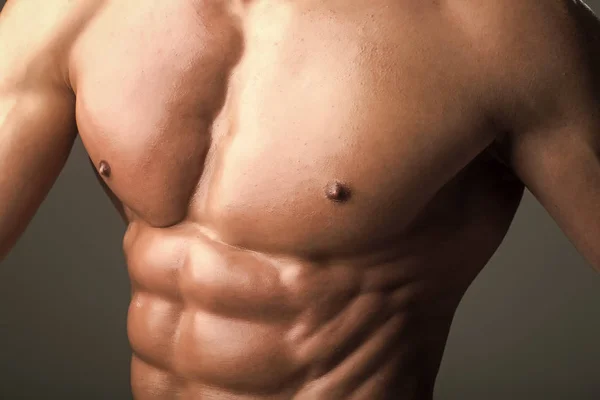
[(337, 191), (104, 169)]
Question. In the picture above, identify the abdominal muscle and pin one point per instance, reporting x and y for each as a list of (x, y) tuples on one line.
[(208, 320)]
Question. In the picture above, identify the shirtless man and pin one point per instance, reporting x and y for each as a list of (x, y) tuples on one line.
[(309, 186)]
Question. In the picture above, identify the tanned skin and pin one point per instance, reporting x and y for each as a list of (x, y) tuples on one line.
[(309, 186)]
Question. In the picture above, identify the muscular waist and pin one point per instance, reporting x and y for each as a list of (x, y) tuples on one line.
[(207, 313)]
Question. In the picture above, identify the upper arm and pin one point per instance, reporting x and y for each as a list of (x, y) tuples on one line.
[(546, 84), (37, 116)]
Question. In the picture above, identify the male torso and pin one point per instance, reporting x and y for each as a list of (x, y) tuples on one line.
[(308, 185), (299, 223)]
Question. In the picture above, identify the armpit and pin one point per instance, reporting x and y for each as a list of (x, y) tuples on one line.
[(499, 152)]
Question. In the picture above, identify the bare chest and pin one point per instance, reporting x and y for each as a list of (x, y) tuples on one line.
[(244, 119)]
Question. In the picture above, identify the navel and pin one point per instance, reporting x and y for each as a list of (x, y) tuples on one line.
[(337, 191), (104, 169)]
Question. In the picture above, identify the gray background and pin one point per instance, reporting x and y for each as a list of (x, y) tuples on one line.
[(528, 328)]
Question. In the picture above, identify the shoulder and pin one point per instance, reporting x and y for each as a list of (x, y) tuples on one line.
[(36, 37), (537, 61), (507, 27)]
